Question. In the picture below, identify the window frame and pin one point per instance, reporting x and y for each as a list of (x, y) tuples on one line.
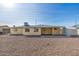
[(27, 30), (36, 30), (55, 29)]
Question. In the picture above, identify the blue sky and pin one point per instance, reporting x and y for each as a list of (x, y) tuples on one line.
[(45, 13)]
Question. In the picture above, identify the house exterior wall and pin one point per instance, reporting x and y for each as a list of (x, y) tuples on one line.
[(57, 31), (71, 32), (16, 31), (46, 31), (77, 31), (62, 31), (5, 31), (49, 31), (32, 31), (54, 32), (1, 30)]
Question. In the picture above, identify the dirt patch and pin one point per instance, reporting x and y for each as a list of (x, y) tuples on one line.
[(38, 46)]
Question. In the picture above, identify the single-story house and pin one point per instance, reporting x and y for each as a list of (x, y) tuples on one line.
[(38, 30)]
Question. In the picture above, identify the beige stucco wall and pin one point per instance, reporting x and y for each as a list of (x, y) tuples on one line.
[(62, 31), (22, 31), (32, 32), (19, 31), (55, 32), (1, 30), (59, 31), (77, 31)]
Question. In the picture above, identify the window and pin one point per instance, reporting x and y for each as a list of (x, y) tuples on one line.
[(55, 28), (27, 30), (35, 30)]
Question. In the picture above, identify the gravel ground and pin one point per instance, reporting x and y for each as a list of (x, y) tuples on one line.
[(38, 46)]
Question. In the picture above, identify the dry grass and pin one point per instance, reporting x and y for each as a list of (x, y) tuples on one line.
[(44, 46)]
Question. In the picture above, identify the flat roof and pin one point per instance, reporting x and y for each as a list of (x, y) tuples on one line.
[(37, 26)]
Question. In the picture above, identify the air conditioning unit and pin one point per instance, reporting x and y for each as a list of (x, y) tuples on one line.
[(26, 24)]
